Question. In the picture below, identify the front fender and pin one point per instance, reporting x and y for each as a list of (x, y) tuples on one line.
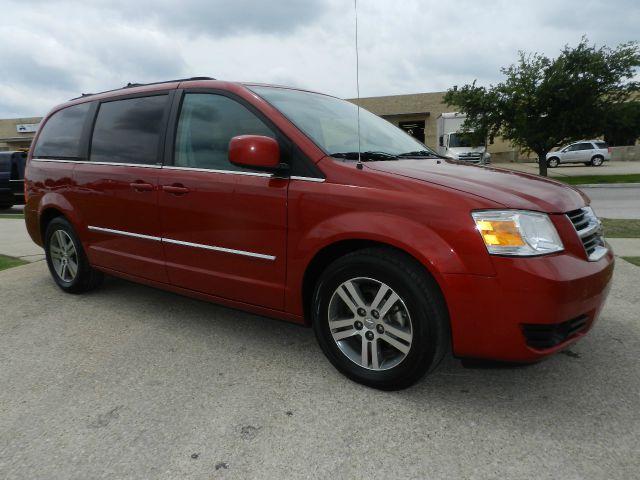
[(419, 240), (439, 255)]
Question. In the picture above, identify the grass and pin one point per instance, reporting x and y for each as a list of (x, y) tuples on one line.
[(9, 262), (602, 179), (12, 215), (634, 260), (614, 228)]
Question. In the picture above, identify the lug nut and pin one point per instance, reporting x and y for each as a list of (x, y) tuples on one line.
[(358, 325), (380, 329), (362, 312), (369, 335), (375, 314)]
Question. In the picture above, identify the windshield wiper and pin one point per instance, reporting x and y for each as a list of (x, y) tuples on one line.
[(418, 153), (365, 156)]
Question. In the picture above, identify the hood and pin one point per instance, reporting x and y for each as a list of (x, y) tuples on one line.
[(508, 188)]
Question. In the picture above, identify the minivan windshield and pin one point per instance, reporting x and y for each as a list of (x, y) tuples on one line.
[(333, 125)]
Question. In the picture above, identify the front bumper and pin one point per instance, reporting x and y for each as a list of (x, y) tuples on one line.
[(493, 317)]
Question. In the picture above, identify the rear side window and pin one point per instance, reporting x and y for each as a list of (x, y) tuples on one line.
[(129, 131), (207, 123), (603, 145), (61, 135), (584, 146)]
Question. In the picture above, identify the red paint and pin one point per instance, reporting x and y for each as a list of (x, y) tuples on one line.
[(421, 207), (254, 151)]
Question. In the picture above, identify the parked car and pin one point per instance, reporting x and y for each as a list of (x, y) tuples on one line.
[(589, 152), (259, 198), (12, 166)]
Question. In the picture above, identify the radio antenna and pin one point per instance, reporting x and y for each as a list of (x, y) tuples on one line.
[(359, 164)]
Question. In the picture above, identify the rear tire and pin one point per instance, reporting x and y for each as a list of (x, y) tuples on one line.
[(597, 161), (380, 318), (66, 259), (553, 162)]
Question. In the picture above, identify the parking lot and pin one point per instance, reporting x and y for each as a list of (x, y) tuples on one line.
[(133, 382)]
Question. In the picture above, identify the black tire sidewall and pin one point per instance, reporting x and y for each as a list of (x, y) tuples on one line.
[(597, 161), (424, 322), (553, 162), (60, 223)]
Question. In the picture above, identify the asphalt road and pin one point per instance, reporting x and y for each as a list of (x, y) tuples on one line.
[(133, 382), (615, 202)]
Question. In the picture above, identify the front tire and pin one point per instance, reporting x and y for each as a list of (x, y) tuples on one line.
[(66, 259), (553, 162), (380, 318)]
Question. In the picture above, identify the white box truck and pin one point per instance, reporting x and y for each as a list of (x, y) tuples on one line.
[(451, 143)]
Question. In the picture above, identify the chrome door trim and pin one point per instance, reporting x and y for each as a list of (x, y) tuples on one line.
[(89, 162), (228, 172), (123, 233), (188, 169), (118, 164), (244, 253), (307, 179), (182, 243), (52, 160)]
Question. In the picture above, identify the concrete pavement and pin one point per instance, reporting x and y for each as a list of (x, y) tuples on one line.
[(132, 382), (15, 241)]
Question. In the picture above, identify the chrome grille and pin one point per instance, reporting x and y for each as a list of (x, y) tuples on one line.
[(589, 229), (470, 157)]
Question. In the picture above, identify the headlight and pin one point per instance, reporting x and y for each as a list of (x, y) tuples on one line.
[(517, 232)]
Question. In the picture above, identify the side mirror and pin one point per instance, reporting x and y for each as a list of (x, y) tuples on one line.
[(255, 151), (441, 141)]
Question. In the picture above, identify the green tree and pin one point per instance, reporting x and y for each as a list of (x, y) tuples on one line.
[(622, 124), (544, 103)]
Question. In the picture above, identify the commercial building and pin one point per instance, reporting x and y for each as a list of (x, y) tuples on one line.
[(17, 133)]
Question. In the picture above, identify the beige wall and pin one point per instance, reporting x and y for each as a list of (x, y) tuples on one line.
[(10, 139)]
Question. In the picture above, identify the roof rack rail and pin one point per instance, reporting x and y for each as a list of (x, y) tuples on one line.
[(132, 85)]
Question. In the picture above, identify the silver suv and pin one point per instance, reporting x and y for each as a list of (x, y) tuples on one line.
[(589, 152)]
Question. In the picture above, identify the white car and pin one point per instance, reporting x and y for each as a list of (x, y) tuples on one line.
[(589, 152)]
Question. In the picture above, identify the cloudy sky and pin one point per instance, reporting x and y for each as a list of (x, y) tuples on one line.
[(52, 50)]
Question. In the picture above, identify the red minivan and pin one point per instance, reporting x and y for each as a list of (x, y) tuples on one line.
[(294, 205)]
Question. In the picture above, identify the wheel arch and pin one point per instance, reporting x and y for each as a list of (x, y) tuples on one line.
[(52, 205), (331, 252), (46, 216)]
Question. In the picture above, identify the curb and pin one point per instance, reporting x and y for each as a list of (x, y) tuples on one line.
[(607, 185)]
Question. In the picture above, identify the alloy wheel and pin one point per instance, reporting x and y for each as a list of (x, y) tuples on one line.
[(370, 323), (64, 256)]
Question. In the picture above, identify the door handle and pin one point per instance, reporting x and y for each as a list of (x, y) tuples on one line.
[(141, 186), (175, 189)]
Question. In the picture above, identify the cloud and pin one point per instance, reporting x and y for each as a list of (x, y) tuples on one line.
[(55, 50)]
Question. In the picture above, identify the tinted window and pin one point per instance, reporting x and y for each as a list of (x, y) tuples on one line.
[(60, 137), (584, 146), (128, 131), (207, 124), (604, 145)]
